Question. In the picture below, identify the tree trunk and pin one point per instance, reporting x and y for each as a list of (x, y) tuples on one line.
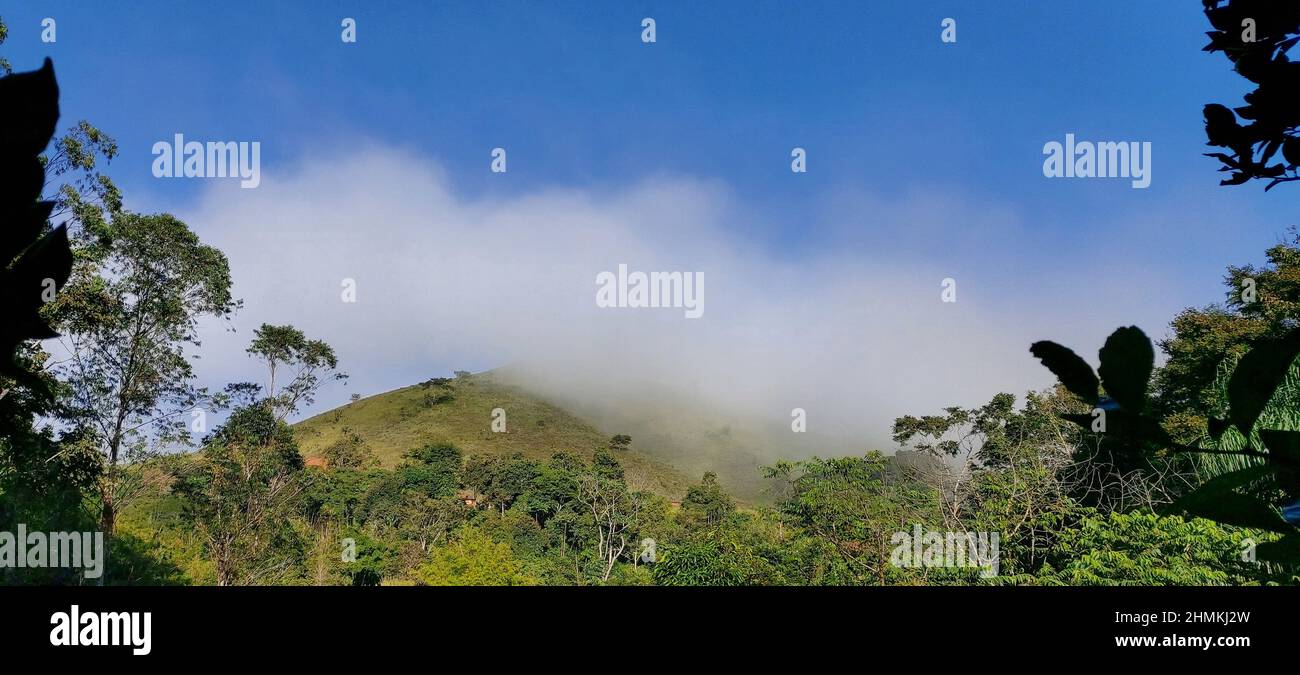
[(108, 514), (107, 523), (225, 571)]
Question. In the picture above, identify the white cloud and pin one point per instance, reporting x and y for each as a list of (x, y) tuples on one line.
[(856, 335)]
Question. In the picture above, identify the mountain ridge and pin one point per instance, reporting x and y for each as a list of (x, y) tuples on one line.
[(460, 411)]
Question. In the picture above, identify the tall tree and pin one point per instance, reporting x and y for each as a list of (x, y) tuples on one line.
[(708, 502), (613, 509), (41, 480), (1015, 472), (311, 363), (852, 506), (129, 313), (1260, 302), (239, 492)]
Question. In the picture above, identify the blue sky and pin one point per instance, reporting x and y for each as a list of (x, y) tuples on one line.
[(727, 90), (887, 112)]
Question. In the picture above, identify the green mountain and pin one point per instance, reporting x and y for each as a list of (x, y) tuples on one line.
[(460, 412)]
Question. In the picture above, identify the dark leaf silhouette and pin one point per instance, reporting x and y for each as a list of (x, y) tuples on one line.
[(1122, 424), (1073, 371), (1084, 421), (1127, 359), (1285, 551), (1283, 446), (33, 265), (1291, 151), (1270, 110), (1217, 426), (1218, 500), (1242, 511), (1221, 126), (1257, 377)]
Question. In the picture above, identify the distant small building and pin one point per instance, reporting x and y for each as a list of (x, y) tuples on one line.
[(318, 462), (675, 505), (469, 497)]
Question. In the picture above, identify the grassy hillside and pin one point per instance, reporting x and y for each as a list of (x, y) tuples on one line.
[(691, 434), (394, 422)]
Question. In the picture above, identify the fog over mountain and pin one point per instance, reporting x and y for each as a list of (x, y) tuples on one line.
[(851, 329)]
